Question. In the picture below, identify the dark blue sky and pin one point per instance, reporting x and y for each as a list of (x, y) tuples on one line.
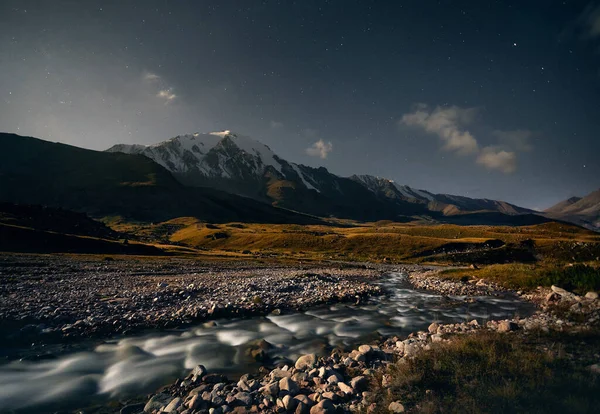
[(486, 99)]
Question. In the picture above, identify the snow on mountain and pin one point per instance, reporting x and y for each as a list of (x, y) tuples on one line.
[(241, 165)]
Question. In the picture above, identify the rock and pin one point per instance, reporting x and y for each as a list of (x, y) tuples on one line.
[(302, 408), (386, 380), (303, 399), (345, 388), (559, 290), (289, 385), (365, 349), (595, 368), (198, 372), (359, 383), (244, 398), (323, 407), (173, 405), (396, 407), (194, 403), (157, 402), (271, 389), (329, 395), (433, 328), (334, 378), (306, 362), (507, 326), (591, 295), (278, 374), (289, 403), (132, 409), (436, 338)]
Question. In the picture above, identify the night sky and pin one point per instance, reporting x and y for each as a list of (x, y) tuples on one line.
[(494, 99)]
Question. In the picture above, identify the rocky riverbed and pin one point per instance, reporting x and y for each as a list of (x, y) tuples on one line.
[(340, 382), (57, 298)]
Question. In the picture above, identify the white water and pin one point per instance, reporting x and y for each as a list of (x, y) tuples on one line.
[(140, 364)]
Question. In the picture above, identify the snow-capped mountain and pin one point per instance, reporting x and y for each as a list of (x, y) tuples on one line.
[(241, 165)]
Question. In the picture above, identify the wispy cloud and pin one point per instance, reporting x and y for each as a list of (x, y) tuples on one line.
[(448, 123), (451, 125), (589, 21), (167, 95), (276, 125), (156, 84), (320, 149), (150, 77), (495, 158)]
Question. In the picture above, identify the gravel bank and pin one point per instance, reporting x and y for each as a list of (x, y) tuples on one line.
[(56, 298)]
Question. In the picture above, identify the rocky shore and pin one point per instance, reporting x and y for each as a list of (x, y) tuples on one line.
[(61, 298), (340, 382)]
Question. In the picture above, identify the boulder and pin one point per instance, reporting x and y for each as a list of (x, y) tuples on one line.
[(396, 407), (173, 406), (359, 383), (157, 402), (507, 326), (289, 385), (323, 407), (433, 328), (306, 362), (345, 388), (591, 295)]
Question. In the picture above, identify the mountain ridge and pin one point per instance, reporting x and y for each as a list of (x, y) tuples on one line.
[(242, 165), (584, 211)]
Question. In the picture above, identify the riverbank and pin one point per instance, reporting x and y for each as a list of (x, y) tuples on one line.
[(374, 377), (61, 298)]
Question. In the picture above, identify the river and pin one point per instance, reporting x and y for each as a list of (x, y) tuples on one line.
[(137, 365)]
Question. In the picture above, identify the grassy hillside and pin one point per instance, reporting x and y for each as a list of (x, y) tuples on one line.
[(34, 171), (381, 241)]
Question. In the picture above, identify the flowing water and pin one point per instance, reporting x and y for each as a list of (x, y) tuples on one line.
[(140, 364)]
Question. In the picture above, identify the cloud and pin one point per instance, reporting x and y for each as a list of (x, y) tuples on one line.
[(495, 158), (167, 95), (320, 149), (450, 124), (589, 21), (519, 139), (150, 77), (276, 124), (447, 123)]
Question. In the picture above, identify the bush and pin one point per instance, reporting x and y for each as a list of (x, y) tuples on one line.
[(489, 373)]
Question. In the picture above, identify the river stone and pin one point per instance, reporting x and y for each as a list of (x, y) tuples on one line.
[(507, 326), (271, 389), (173, 405), (345, 388), (157, 402), (334, 378), (289, 385), (436, 338), (433, 328), (198, 372), (304, 399), (278, 374), (559, 290), (591, 295), (289, 403), (306, 361), (359, 383), (244, 398), (323, 407), (302, 408), (365, 349), (396, 407)]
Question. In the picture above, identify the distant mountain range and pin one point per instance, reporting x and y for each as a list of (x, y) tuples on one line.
[(33, 171), (584, 211), (222, 177), (241, 165)]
